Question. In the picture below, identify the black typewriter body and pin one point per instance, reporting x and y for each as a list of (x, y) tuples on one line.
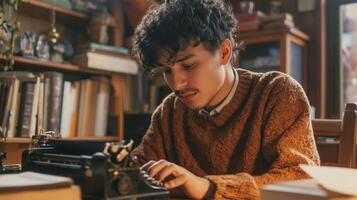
[(95, 171)]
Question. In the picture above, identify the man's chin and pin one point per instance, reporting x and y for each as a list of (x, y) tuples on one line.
[(193, 106)]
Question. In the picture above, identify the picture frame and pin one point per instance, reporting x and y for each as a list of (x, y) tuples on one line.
[(305, 5)]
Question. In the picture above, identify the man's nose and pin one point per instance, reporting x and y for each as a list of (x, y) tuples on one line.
[(179, 80)]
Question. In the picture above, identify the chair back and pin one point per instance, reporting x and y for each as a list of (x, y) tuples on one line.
[(342, 150)]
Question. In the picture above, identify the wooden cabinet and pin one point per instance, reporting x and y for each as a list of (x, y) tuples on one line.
[(34, 15), (282, 50)]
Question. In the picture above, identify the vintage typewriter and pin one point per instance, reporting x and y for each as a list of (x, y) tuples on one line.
[(103, 170)]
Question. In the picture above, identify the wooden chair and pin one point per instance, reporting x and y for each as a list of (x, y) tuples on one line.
[(341, 152)]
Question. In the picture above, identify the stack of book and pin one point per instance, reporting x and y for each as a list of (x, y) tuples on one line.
[(250, 21), (282, 20), (104, 57)]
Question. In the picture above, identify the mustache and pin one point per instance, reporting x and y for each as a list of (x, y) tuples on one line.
[(181, 92)]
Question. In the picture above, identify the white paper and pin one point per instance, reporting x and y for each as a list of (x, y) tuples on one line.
[(336, 179)]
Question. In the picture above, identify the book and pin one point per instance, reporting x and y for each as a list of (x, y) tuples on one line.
[(101, 48), (101, 108), (279, 24), (24, 120), (249, 26), (106, 62), (75, 90), (326, 183), (14, 111), (34, 112), (307, 189), (7, 108), (32, 180), (257, 16), (279, 17), (66, 109), (53, 104), (31, 185)]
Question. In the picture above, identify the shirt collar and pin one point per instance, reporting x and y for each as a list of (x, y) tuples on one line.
[(217, 110)]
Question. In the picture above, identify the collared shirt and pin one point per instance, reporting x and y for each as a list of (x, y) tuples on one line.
[(217, 110)]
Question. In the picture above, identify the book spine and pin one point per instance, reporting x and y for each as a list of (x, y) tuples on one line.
[(24, 120), (55, 97)]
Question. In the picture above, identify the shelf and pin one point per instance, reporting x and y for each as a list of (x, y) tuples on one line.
[(264, 32), (28, 140), (17, 140), (27, 64), (42, 10)]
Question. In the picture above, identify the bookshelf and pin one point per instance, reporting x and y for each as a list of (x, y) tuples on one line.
[(280, 49), (22, 63), (35, 15)]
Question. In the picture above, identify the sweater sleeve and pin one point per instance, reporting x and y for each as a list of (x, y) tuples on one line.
[(287, 141), (151, 146)]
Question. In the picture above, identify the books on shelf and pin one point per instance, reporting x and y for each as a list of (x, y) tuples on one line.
[(257, 16), (250, 21), (101, 48), (279, 21), (73, 108), (104, 57)]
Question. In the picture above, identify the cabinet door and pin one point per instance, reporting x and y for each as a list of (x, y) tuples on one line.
[(297, 62), (261, 57)]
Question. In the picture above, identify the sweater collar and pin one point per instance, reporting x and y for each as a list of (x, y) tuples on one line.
[(217, 110), (241, 93)]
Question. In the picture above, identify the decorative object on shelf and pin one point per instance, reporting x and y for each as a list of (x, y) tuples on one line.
[(98, 27), (27, 44), (53, 35), (9, 28), (246, 7), (57, 52), (68, 50), (305, 5), (42, 49), (276, 8)]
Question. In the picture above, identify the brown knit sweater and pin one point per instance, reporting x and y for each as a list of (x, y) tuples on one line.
[(260, 137)]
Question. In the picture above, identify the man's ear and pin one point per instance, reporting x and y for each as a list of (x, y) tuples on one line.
[(225, 51)]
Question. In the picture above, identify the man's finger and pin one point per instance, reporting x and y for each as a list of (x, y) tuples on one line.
[(166, 171), (176, 182), (156, 167), (147, 165)]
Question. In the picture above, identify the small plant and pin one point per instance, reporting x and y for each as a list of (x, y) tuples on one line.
[(9, 29)]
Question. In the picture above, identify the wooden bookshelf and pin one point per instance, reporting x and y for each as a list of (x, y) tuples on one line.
[(22, 63), (42, 10), (36, 15)]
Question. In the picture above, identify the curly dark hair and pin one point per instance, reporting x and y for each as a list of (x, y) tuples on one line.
[(175, 24)]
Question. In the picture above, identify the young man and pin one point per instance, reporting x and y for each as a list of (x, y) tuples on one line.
[(223, 132)]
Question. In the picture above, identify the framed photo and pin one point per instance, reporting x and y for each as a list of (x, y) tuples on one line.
[(306, 5)]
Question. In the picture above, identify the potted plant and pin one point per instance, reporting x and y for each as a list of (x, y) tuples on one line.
[(9, 29)]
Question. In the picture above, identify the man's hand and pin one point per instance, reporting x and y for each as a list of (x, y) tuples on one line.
[(177, 177)]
